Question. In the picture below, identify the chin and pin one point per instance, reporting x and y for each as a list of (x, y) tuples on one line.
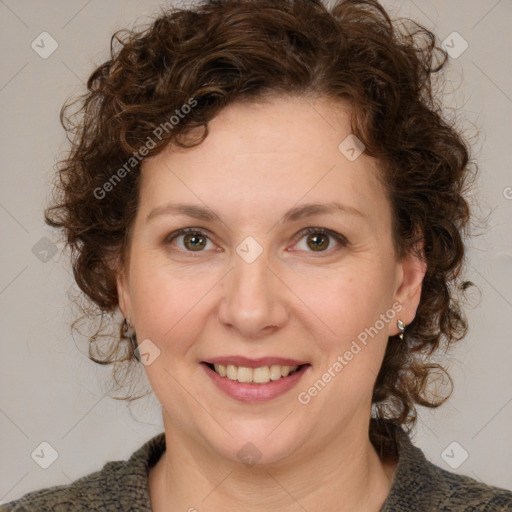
[(261, 445)]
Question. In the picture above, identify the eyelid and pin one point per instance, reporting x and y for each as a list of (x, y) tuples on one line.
[(185, 231), (340, 239)]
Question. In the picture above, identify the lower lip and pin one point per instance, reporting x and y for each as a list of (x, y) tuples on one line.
[(255, 392)]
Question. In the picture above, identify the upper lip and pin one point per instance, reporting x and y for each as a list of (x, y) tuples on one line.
[(254, 363)]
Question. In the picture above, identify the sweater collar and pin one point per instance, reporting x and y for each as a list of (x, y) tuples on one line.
[(412, 488), (415, 480)]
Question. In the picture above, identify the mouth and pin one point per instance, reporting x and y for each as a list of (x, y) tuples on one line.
[(255, 375), (256, 381)]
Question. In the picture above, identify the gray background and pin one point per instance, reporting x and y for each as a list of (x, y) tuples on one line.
[(51, 392)]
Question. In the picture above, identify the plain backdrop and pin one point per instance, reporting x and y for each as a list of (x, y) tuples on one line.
[(51, 392)]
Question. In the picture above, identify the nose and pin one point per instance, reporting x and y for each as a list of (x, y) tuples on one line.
[(254, 299)]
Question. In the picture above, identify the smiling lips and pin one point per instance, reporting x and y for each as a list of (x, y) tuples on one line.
[(254, 363), (260, 375), (253, 391), (260, 371)]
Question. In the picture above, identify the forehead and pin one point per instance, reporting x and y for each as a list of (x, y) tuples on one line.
[(278, 152)]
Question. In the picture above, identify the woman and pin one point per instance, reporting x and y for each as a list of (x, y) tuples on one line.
[(267, 192)]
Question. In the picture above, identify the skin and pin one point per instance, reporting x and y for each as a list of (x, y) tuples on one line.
[(259, 160)]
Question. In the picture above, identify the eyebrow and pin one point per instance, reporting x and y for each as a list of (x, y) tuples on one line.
[(190, 210), (294, 214), (307, 210)]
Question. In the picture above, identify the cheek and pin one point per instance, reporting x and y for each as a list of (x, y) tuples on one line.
[(350, 338), (346, 302), (167, 304)]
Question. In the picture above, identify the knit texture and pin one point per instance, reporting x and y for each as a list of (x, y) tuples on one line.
[(418, 486)]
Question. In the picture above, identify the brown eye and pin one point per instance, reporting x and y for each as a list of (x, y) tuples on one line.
[(190, 240), (321, 240), (194, 241), (318, 241)]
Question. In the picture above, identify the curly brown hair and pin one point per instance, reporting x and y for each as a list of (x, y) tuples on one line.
[(223, 51)]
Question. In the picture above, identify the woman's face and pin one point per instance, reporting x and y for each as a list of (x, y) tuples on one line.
[(249, 281)]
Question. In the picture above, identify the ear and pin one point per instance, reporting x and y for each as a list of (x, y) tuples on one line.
[(410, 274), (123, 293)]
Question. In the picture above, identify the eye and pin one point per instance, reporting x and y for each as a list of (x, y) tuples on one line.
[(319, 240), (189, 239), (311, 240)]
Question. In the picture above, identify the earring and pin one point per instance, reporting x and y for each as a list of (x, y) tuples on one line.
[(401, 327), (129, 332)]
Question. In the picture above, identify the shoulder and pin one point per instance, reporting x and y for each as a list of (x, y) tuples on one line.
[(460, 492), (421, 485), (85, 492), (119, 485)]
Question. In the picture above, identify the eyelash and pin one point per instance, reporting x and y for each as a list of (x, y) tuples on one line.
[(342, 241)]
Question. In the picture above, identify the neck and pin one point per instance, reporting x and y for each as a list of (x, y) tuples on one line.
[(346, 475)]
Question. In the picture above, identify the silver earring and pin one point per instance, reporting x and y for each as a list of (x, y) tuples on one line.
[(401, 328), (129, 332)]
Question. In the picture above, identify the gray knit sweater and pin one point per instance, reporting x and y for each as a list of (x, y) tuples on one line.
[(418, 486)]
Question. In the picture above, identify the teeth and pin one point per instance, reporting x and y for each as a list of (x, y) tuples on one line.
[(244, 374), (261, 375), (220, 369), (275, 372), (231, 372)]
